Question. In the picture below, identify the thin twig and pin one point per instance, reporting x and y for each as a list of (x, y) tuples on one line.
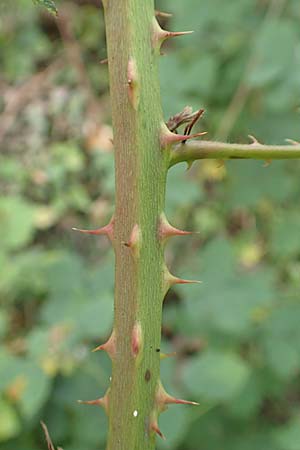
[(47, 436)]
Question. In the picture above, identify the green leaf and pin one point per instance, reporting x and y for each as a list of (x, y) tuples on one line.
[(49, 4)]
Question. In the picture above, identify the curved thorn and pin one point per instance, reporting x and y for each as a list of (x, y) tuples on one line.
[(253, 139), (171, 34), (166, 230), (154, 427), (170, 280), (168, 138), (189, 164), (106, 230), (163, 399), (185, 137), (103, 401), (177, 280), (292, 142), (160, 35), (162, 14), (179, 401), (98, 401), (109, 347), (134, 242)]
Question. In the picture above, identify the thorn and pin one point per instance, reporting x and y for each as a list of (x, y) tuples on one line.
[(132, 81), (134, 242), (189, 164), (109, 347), (171, 34), (104, 61), (170, 280), (167, 355), (98, 401), (136, 339), (154, 427), (179, 401), (103, 402), (160, 35), (107, 230), (163, 399), (254, 140), (182, 281), (168, 138), (292, 142), (162, 14), (166, 230)]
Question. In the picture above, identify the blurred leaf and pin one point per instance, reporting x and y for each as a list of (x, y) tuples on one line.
[(79, 299), (285, 234), (17, 218), (288, 436), (181, 190), (215, 376), (9, 423), (174, 435), (248, 400), (49, 4), (243, 192), (30, 391), (241, 296), (274, 52), (281, 340), (4, 323)]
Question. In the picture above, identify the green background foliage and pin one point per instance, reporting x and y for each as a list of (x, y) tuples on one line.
[(237, 335)]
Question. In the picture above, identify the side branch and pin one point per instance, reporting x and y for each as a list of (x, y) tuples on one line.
[(193, 150)]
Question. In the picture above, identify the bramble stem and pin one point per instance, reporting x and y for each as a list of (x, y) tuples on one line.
[(140, 177), (193, 150)]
